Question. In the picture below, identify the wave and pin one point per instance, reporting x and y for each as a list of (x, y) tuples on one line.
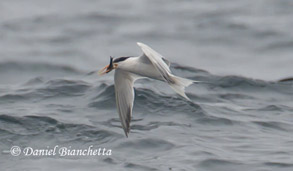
[(50, 89), (149, 144), (155, 102), (289, 79), (100, 96), (13, 66), (220, 164), (279, 164), (46, 127), (281, 126)]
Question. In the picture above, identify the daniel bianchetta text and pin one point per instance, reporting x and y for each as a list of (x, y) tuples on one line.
[(63, 151)]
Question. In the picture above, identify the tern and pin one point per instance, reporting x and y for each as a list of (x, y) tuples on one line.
[(128, 69)]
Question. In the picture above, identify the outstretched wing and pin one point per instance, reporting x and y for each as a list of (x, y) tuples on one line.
[(157, 61), (124, 97), (178, 84)]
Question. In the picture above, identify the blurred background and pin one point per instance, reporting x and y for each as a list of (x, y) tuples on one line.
[(251, 38), (240, 118)]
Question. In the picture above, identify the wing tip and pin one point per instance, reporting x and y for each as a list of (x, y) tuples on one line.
[(126, 123), (126, 134), (140, 44), (126, 131)]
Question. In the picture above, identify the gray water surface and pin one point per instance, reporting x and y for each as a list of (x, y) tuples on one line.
[(239, 119)]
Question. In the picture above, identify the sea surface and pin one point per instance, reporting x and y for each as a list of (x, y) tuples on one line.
[(239, 117)]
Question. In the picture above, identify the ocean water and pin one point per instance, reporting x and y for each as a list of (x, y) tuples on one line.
[(239, 117)]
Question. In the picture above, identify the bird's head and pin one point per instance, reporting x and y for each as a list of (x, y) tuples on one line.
[(113, 65), (109, 67)]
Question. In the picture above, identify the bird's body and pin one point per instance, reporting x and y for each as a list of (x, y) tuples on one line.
[(141, 67), (128, 69)]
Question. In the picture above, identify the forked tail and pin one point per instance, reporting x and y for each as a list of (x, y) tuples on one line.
[(180, 84)]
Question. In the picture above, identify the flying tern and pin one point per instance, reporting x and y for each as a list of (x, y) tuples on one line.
[(128, 69)]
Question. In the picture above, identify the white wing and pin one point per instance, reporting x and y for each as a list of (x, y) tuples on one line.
[(161, 64), (124, 97), (178, 84)]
